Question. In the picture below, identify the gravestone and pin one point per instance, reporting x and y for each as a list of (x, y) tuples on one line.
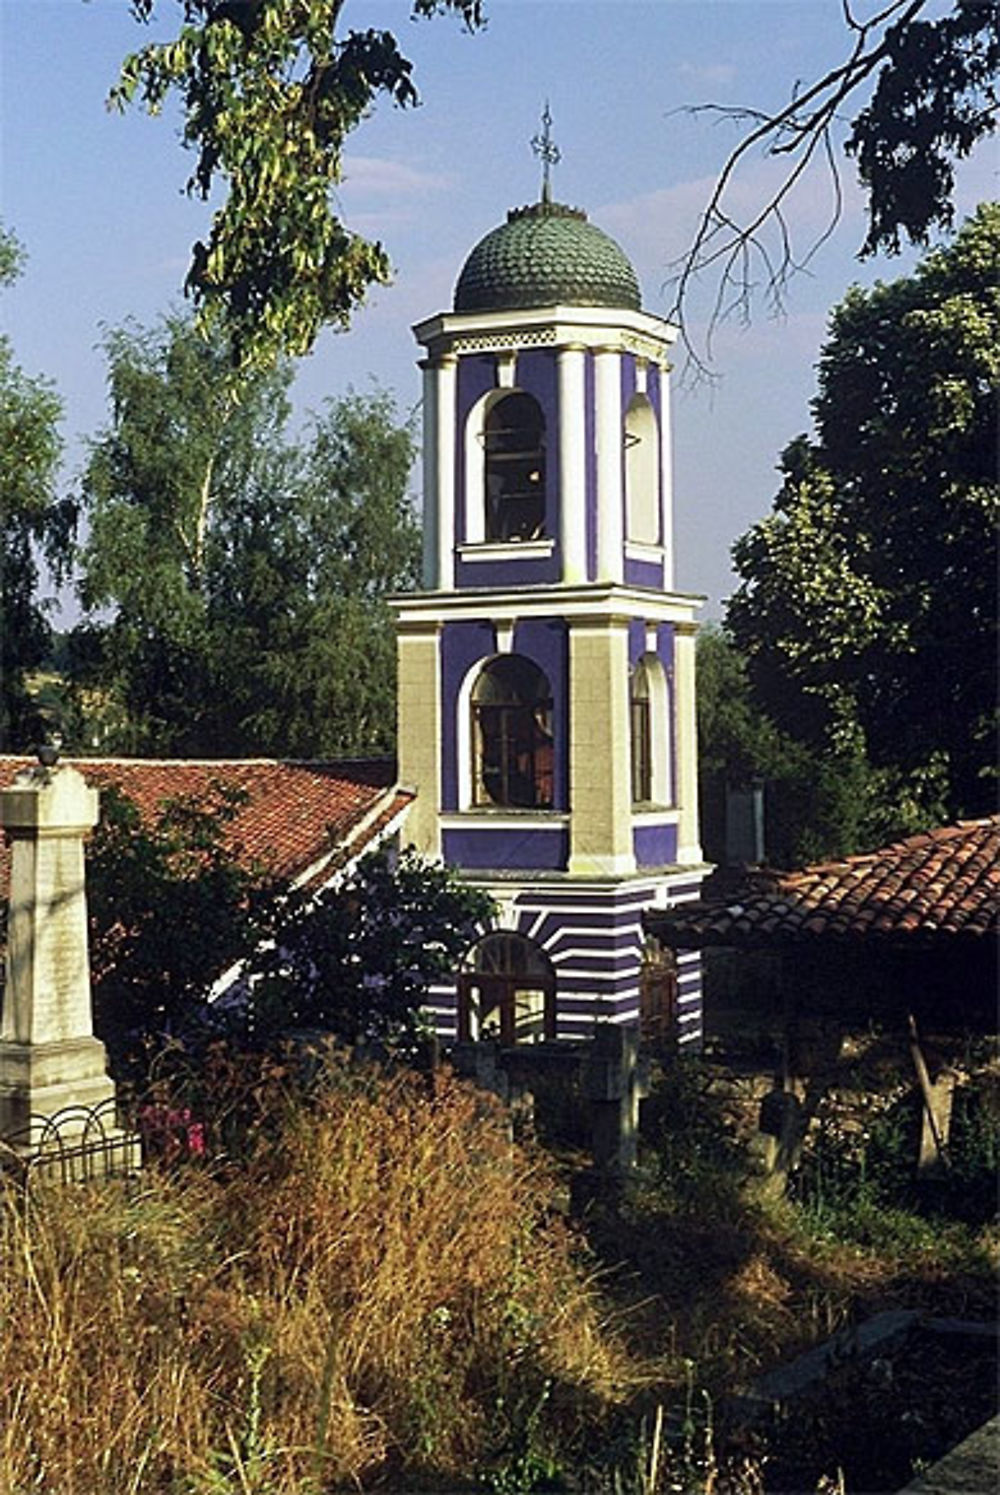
[(51, 1065)]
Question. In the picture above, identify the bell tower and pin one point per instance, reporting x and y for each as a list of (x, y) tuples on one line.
[(546, 669)]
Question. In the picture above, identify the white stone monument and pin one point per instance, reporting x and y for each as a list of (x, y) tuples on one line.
[(49, 1057)]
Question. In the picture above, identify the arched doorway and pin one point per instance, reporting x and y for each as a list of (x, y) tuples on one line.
[(507, 990)]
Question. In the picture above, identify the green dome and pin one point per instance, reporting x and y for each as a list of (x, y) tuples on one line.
[(546, 255)]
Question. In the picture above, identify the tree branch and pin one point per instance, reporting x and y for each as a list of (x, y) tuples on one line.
[(800, 130)]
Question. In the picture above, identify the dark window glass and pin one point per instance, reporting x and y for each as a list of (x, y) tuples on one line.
[(512, 735), (642, 738), (515, 469)]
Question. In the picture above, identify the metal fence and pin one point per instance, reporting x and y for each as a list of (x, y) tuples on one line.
[(78, 1144)]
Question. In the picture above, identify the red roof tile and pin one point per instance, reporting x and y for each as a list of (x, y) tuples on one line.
[(943, 883), (296, 814)]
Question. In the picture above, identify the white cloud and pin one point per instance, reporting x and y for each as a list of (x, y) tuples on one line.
[(659, 227), (708, 75), (378, 175)]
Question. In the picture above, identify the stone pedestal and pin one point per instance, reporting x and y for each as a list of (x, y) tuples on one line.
[(50, 1060)]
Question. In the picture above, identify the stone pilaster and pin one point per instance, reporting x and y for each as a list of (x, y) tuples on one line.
[(688, 831), (419, 731), (600, 822)]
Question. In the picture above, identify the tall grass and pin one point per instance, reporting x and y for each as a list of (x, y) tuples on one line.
[(378, 1292)]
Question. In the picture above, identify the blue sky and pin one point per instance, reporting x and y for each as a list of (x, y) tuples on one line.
[(97, 200)]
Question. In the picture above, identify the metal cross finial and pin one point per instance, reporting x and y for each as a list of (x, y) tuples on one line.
[(547, 151)]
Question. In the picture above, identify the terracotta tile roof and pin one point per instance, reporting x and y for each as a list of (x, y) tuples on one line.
[(300, 821), (943, 884)]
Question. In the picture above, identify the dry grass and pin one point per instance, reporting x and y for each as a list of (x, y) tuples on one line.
[(377, 1291)]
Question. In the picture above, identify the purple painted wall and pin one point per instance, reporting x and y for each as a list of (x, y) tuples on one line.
[(482, 849), (654, 845), (512, 573), (644, 574), (628, 379)]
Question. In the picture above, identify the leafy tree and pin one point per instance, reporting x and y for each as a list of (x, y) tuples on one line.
[(32, 520), (301, 588), (817, 802), (245, 573), (270, 90), (867, 610), (929, 86), (172, 904), (359, 961)]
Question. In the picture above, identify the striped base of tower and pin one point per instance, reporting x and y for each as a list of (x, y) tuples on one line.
[(593, 936)]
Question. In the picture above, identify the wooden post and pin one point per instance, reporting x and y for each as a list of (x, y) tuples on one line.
[(937, 1097)]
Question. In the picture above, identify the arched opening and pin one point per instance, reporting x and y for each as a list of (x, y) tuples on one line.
[(514, 441), (640, 714), (507, 990), (642, 472), (649, 721), (511, 708)]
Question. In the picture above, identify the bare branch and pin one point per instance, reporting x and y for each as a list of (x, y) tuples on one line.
[(800, 131)]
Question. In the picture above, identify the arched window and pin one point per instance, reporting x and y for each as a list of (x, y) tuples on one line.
[(642, 472), (649, 719), (514, 438), (642, 736), (507, 991), (512, 735)]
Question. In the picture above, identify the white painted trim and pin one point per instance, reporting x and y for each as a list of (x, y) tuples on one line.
[(505, 636), (610, 464), (482, 817), (667, 477), (595, 603), (644, 550), (463, 739), (507, 550), (506, 370), (637, 331), (445, 409), (431, 518), (572, 463)]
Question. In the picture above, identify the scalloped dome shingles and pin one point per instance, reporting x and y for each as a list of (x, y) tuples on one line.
[(546, 255)]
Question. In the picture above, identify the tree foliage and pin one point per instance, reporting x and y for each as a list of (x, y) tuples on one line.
[(817, 801), (32, 521), (867, 610), (245, 573), (270, 90), (931, 84), (172, 904), (359, 960)]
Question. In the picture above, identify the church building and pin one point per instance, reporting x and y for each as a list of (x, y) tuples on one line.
[(546, 669)]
